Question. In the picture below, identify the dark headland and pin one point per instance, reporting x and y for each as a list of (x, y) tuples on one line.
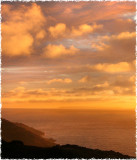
[(21, 141)]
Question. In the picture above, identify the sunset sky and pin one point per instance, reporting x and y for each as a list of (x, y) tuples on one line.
[(77, 55)]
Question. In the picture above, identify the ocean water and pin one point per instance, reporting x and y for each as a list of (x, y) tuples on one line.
[(97, 129)]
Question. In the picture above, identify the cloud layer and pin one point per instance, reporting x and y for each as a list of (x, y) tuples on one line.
[(69, 55)]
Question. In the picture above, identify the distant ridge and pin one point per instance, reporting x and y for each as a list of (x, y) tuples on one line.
[(29, 136)]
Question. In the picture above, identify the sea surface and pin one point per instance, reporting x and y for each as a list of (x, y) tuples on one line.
[(97, 129)]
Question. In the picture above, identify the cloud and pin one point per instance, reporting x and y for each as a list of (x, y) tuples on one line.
[(99, 46), (124, 86), (114, 68), (85, 29), (57, 51), (106, 42), (23, 82), (132, 79), (105, 84), (41, 34), (121, 86), (21, 94), (66, 80), (88, 12), (98, 69), (120, 25), (61, 30), (115, 48), (123, 35), (19, 26), (85, 79), (57, 30), (124, 81), (18, 45)]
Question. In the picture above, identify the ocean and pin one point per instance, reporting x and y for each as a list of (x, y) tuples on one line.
[(96, 129)]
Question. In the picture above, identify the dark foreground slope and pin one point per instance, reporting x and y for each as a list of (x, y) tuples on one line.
[(17, 149), (29, 136)]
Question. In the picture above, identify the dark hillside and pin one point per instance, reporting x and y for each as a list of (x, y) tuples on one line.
[(29, 136)]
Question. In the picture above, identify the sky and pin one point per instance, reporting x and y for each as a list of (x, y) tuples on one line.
[(76, 55)]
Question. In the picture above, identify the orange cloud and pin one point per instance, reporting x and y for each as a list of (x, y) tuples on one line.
[(18, 45), (87, 12), (56, 51), (132, 79), (66, 80), (105, 84), (61, 30), (114, 68), (126, 35), (24, 27), (23, 82), (85, 79), (41, 34), (17, 28), (99, 46), (85, 29), (57, 30), (122, 35), (105, 42), (21, 94)]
